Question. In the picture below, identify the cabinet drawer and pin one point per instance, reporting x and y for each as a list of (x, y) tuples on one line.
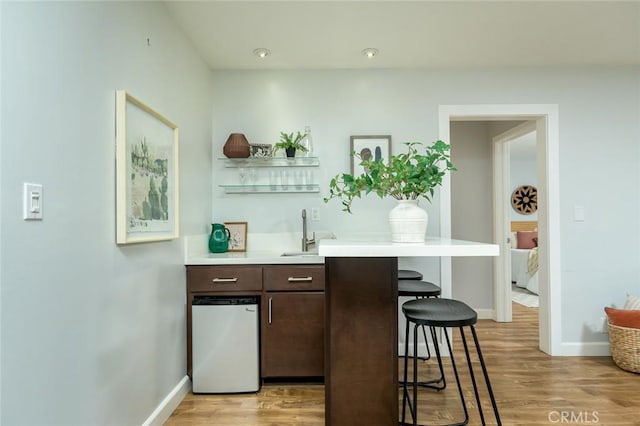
[(294, 278), (224, 278)]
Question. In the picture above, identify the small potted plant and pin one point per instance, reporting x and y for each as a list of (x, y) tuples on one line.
[(290, 143), (406, 177)]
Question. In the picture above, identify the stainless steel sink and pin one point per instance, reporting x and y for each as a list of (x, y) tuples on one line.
[(300, 253)]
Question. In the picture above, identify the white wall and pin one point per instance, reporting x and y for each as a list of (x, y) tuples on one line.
[(472, 210), (472, 205), (335, 105), (598, 155), (91, 333)]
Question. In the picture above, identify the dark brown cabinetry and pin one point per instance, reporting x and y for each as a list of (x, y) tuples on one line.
[(293, 322), (292, 312), (224, 278)]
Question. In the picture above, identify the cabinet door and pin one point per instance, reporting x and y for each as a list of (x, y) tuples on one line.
[(293, 334)]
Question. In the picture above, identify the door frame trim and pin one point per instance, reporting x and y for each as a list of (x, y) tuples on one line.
[(547, 147)]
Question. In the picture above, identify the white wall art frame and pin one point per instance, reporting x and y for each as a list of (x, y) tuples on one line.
[(146, 173), (369, 147)]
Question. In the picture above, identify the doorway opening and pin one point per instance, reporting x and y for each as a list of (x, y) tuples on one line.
[(514, 168), (545, 120)]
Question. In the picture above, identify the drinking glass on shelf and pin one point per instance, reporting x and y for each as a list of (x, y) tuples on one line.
[(273, 179), (243, 175), (284, 179), (308, 176), (299, 179), (253, 176)]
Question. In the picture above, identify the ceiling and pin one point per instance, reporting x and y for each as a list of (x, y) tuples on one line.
[(411, 34)]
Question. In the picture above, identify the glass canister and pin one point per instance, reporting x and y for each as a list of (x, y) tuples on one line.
[(307, 142)]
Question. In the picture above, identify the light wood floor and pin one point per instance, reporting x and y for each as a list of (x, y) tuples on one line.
[(531, 388)]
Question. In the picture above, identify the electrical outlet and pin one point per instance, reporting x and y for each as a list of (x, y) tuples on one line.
[(315, 214)]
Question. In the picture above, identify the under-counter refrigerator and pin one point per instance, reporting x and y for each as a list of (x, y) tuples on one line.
[(225, 344)]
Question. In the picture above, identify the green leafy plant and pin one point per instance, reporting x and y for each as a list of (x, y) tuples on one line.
[(289, 140), (407, 176)]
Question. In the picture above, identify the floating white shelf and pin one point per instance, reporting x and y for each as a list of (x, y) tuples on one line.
[(271, 162), (270, 189)]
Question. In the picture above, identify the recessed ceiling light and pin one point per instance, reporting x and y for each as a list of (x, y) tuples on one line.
[(261, 52), (370, 52)]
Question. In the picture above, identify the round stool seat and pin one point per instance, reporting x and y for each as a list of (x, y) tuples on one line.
[(417, 288), (407, 274), (438, 312)]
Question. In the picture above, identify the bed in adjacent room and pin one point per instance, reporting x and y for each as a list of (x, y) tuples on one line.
[(524, 255)]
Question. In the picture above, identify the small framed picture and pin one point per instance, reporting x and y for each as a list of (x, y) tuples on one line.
[(261, 150), (238, 233), (375, 147)]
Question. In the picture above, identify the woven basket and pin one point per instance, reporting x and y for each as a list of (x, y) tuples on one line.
[(625, 347)]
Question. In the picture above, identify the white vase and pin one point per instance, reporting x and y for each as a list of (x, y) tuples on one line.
[(408, 222)]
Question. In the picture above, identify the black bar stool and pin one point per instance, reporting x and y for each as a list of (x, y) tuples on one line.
[(443, 313), (420, 290), (408, 274)]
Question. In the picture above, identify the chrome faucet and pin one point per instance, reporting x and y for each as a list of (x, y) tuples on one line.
[(305, 241)]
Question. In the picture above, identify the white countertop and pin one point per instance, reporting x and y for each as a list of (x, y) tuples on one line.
[(433, 247), (256, 257), (263, 249), (267, 250)]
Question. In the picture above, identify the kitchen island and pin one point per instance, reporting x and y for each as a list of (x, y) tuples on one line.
[(361, 324)]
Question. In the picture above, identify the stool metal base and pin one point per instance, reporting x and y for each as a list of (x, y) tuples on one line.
[(413, 409), (438, 384)]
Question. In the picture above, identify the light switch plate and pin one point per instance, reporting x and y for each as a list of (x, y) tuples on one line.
[(32, 201)]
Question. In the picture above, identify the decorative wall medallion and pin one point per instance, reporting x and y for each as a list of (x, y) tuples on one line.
[(524, 199)]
